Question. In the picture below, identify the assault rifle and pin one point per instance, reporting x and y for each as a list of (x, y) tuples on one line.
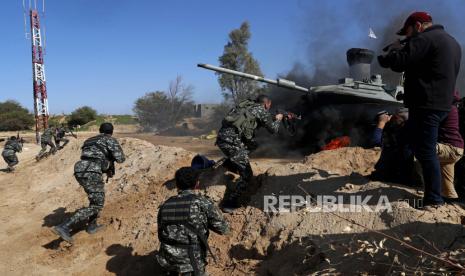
[(72, 134), (289, 120), (20, 139), (111, 170)]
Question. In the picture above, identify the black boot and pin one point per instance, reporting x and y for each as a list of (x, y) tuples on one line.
[(93, 227), (62, 230), (229, 205)]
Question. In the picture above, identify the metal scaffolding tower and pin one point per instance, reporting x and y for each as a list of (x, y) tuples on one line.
[(38, 71)]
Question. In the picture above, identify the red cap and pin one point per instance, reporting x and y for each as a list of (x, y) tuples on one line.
[(421, 17)]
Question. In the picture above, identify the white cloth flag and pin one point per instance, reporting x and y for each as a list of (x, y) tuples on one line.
[(371, 33)]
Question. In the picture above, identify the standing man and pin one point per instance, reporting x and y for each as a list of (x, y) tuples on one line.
[(12, 146), (60, 136), (184, 221), (450, 150), (98, 156), (431, 62), (46, 140), (236, 139)]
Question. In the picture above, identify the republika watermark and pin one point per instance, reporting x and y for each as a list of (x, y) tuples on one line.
[(325, 203)]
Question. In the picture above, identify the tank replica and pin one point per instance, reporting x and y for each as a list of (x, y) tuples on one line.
[(360, 86)]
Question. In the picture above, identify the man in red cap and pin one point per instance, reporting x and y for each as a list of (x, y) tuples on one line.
[(431, 62)]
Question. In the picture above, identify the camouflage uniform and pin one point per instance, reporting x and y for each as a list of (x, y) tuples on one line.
[(97, 154), (184, 221), (46, 140), (60, 136), (9, 153), (237, 147)]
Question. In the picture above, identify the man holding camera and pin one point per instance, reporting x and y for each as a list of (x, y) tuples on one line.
[(431, 62)]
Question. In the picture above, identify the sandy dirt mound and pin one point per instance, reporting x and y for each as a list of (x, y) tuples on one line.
[(40, 195), (345, 160)]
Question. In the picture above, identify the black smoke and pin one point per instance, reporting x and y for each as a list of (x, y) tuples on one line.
[(329, 29)]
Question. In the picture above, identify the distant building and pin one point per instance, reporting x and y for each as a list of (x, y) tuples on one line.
[(204, 110)]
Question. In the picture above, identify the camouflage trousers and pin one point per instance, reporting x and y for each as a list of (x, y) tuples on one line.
[(177, 261), (58, 140), (10, 157), (237, 161), (44, 145), (94, 187)]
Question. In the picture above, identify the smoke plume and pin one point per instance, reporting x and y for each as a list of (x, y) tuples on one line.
[(329, 29)]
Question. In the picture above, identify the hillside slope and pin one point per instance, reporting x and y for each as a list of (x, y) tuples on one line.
[(39, 195)]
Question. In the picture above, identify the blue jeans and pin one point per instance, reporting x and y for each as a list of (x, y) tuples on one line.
[(423, 126)]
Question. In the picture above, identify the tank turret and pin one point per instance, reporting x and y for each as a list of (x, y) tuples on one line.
[(361, 85)]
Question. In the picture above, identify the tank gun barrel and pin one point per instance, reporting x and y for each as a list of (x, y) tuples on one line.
[(278, 82)]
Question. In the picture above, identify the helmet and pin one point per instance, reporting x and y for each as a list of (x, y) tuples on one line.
[(200, 162)]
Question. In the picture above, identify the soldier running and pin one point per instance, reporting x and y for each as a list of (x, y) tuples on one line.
[(46, 140), (184, 221), (12, 146), (98, 156), (60, 136), (236, 141)]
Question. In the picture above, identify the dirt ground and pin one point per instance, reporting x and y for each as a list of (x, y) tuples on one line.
[(40, 195)]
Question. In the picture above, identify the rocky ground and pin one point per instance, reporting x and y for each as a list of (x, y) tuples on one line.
[(38, 196)]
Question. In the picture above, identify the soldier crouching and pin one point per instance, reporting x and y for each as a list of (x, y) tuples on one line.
[(12, 146), (98, 154), (61, 136), (46, 140), (184, 222), (236, 140)]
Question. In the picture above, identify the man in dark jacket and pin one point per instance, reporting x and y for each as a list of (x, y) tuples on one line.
[(431, 62)]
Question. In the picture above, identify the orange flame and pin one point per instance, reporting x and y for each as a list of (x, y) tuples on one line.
[(339, 142)]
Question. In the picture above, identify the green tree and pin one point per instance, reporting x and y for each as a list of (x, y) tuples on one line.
[(236, 56), (14, 117), (82, 116), (161, 110)]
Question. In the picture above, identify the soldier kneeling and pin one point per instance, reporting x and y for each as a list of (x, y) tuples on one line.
[(12, 146), (184, 221)]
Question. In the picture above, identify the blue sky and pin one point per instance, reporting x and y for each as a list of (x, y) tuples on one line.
[(107, 53)]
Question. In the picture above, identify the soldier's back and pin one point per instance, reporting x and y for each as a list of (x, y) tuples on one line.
[(182, 219), (47, 135)]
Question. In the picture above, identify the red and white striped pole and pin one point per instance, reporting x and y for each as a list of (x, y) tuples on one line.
[(38, 73)]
